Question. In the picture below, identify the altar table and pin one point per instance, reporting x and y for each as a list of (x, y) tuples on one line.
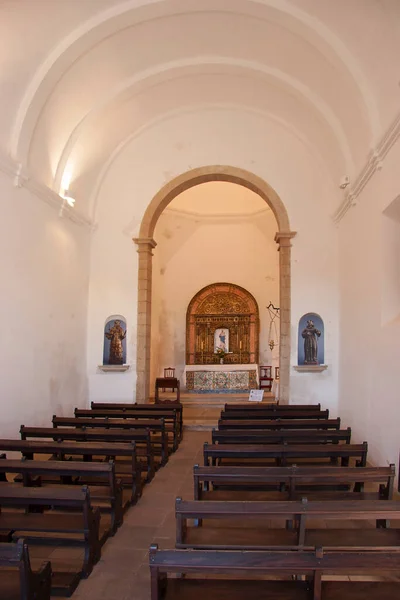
[(220, 378)]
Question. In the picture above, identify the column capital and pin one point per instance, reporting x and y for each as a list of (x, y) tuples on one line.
[(283, 238), (145, 244)]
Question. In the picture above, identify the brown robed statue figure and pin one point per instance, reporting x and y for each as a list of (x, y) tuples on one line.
[(310, 335), (116, 334)]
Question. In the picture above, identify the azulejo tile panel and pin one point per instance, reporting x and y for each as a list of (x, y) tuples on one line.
[(239, 380), (221, 380)]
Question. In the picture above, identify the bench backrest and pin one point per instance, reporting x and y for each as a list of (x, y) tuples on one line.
[(259, 563), (295, 476), (170, 415), (279, 424), (274, 414), (15, 495), (151, 424), (82, 434), (273, 406), (133, 407), (290, 436), (348, 510), (29, 468), (60, 448)]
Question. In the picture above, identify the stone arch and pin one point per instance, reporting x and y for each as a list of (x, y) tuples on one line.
[(146, 244)]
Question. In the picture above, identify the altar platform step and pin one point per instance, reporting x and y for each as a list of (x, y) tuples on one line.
[(202, 411)]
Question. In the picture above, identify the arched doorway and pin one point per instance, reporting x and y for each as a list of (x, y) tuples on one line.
[(146, 243)]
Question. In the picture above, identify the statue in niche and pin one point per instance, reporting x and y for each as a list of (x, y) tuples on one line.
[(310, 334), (116, 334), (221, 340)]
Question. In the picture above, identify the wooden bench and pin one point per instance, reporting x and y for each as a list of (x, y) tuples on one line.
[(292, 483), (283, 436), (77, 525), (176, 406), (17, 579), (128, 471), (108, 496), (282, 454), (242, 568), (231, 415), (280, 424), (247, 525), (171, 419), (159, 438), (260, 406), (142, 439)]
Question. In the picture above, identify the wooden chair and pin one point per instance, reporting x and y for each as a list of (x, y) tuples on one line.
[(17, 579), (266, 378), (169, 373)]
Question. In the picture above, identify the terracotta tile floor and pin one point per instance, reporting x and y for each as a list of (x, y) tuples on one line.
[(123, 571)]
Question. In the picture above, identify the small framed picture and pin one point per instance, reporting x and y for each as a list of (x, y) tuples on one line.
[(276, 372)]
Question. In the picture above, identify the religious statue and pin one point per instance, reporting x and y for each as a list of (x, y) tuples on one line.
[(221, 340), (116, 334), (310, 335)]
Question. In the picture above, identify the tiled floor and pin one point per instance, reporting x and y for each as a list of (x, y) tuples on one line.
[(123, 571)]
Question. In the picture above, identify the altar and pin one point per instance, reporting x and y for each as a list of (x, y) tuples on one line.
[(221, 378)]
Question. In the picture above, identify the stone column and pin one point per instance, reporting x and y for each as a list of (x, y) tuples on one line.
[(145, 251), (284, 241)]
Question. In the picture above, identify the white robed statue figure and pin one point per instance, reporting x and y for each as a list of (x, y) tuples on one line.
[(221, 340)]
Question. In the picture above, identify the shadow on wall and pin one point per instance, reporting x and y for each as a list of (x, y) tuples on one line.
[(114, 348), (311, 340)]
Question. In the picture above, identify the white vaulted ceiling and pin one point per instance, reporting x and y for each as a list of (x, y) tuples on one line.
[(81, 78)]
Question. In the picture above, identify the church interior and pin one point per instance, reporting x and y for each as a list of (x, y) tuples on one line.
[(200, 224)]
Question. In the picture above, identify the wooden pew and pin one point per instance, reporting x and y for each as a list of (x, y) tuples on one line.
[(281, 454), (242, 568), (260, 406), (292, 483), (77, 525), (17, 579), (228, 415), (145, 406), (171, 419), (36, 473), (128, 471), (279, 424), (247, 525), (159, 438), (282, 436), (142, 439)]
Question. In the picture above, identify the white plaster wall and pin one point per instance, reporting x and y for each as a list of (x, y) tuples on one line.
[(195, 252), (212, 137), (370, 344), (43, 303)]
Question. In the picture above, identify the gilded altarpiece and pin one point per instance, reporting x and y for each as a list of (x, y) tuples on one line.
[(222, 306)]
